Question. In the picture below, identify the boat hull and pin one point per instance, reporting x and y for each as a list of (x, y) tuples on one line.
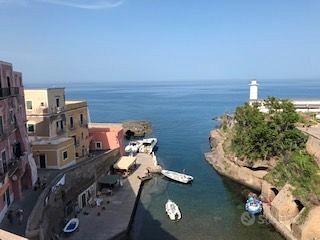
[(148, 145), (179, 177), (71, 226), (173, 211)]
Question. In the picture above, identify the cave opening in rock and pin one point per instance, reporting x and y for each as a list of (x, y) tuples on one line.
[(275, 191), (299, 205)]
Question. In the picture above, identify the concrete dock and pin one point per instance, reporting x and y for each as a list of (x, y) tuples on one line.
[(115, 219)]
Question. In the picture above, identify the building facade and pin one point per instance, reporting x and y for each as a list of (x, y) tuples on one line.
[(77, 126), (17, 167), (58, 129), (106, 136)]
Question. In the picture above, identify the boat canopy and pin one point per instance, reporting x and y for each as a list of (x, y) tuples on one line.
[(125, 163), (109, 179)]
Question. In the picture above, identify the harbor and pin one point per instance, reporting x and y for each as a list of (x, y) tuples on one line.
[(112, 219)]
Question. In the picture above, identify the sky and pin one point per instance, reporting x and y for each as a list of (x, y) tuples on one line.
[(160, 40)]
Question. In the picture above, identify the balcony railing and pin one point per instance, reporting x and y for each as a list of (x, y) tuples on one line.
[(8, 92)]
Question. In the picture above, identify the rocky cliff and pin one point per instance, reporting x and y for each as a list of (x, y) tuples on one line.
[(281, 208)]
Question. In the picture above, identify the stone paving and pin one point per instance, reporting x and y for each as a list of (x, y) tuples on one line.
[(29, 199), (114, 220)]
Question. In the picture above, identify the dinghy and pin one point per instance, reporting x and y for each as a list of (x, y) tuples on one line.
[(179, 177), (72, 225), (173, 211), (253, 206)]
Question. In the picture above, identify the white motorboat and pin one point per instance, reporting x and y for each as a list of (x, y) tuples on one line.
[(133, 146), (173, 211), (72, 225), (180, 177), (148, 145)]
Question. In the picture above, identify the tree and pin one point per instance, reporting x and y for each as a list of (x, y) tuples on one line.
[(260, 135)]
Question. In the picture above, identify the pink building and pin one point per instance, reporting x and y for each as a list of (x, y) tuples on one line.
[(106, 136), (16, 172)]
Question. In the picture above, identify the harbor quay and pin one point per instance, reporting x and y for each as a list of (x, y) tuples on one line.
[(101, 214), (114, 216)]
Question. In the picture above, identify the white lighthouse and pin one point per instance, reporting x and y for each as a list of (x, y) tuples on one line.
[(254, 90)]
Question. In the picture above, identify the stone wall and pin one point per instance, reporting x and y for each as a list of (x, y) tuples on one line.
[(309, 229), (48, 214), (313, 147)]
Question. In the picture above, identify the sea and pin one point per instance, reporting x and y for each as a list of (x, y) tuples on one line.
[(182, 114)]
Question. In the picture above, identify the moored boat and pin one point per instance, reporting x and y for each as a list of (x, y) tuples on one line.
[(253, 205), (148, 145), (173, 210), (133, 146), (71, 226), (180, 177)]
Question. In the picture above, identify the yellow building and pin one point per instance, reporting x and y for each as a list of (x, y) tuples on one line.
[(53, 153), (58, 129), (76, 113)]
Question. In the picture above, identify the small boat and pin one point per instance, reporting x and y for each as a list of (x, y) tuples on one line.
[(148, 145), (133, 146), (180, 177), (173, 211), (71, 226), (253, 206)]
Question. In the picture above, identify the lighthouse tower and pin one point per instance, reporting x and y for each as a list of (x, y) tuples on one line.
[(254, 90)]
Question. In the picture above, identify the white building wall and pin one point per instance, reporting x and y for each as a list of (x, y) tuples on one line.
[(254, 90)]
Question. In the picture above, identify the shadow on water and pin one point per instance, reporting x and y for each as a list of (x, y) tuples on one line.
[(142, 216), (238, 195)]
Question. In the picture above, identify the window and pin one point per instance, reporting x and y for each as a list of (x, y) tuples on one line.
[(1, 126), (29, 105), (57, 102), (31, 128), (98, 145), (4, 161), (61, 125), (71, 122), (11, 116), (81, 118), (57, 125), (74, 140), (42, 104), (82, 135), (65, 155)]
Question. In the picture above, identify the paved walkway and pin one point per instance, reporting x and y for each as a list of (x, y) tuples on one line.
[(26, 204), (114, 220)]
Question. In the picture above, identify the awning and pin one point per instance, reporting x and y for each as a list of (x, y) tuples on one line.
[(125, 163), (109, 179)]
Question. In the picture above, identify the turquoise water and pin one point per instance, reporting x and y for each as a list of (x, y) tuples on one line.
[(181, 114)]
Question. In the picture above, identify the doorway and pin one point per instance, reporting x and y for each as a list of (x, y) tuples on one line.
[(84, 200), (42, 161), (8, 200)]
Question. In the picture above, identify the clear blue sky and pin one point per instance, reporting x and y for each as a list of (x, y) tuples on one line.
[(131, 40)]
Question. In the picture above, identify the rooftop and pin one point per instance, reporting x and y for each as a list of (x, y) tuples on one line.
[(43, 89), (6, 63), (74, 104), (48, 140), (105, 125)]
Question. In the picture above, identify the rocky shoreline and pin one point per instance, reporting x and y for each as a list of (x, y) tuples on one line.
[(280, 207)]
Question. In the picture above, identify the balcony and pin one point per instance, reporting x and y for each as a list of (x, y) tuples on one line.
[(8, 92), (13, 167), (60, 131), (8, 170)]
